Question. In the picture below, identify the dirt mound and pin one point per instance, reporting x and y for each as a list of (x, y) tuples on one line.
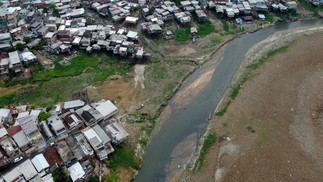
[(276, 122)]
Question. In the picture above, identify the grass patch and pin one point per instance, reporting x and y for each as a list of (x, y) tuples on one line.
[(231, 28), (209, 140), (205, 28), (76, 67), (225, 26), (123, 157), (269, 17), (182, 35), (310, 7), (247, 75), (292, 13), (59, 84), (224, 109), (7, 99), (113, 177)]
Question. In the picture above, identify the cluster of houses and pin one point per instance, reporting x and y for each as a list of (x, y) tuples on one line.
[(246, 8), (165, 11), (14, 63), (73, 136), (60, 26)]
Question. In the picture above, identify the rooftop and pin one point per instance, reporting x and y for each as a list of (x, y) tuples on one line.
[(106, 108), (40, 162), (76, 171), (52, 157), (73, 104), (21, 139), (28, 124), (116, 131), (100, 132), (27, 169)]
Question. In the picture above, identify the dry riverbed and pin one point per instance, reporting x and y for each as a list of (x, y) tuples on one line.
[(273, 130)]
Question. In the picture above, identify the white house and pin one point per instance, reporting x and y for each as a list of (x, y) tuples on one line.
[(76, 172)]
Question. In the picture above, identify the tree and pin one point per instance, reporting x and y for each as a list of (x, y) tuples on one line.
[(11, 49), (20, 47), (43, 116), (151, 10), (93, 179), (59, 175), (27, 39)]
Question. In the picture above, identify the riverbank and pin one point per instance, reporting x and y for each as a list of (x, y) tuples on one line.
[(213, 168)]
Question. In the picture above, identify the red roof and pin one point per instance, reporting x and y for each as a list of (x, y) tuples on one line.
[(52, 157), (13, 130)]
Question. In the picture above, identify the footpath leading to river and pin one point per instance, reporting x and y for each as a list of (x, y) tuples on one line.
[(273, 130)]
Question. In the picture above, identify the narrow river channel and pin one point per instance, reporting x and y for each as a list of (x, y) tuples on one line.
[(189, 122)]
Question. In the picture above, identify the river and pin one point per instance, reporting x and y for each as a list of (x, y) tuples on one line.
[(175, 143)]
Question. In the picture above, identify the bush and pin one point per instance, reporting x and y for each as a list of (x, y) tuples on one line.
[(182, 35), (205, 28), (59, 175), (43, 116), (27, 39), (122, 157), (20, 47)]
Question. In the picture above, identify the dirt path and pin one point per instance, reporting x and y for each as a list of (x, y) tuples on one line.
[(139, 77), (275, 125)]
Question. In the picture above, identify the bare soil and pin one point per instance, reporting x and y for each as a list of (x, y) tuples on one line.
[(273, 130), (123, 92)]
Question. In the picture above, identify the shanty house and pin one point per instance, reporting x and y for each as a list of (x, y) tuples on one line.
[(76, 172), (40, 164), (106, 108)]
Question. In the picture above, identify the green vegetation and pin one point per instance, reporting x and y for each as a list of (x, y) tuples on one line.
[(123, 157), (43, 116), (20, 47), (49, 86), (11, 49), (26, 39), (231, 28), (76, 67), (113, 177), (224, 109), (270, 17), (247, 75), (205, 28), (292, 13), (225, 25), (182, 35), (6, 100), (310, 7), (93, 179), (209, 140), (59, 175), (54, 9), (250, 129)]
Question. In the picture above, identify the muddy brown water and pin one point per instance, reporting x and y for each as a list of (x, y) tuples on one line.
[(173, 146)]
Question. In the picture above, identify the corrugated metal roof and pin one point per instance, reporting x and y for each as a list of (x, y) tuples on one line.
[(3, 132), (73, 104), (20, 138), (27, 169), (103, 136), (76, 171), (28, 124), (40, 162), (106, 108)]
